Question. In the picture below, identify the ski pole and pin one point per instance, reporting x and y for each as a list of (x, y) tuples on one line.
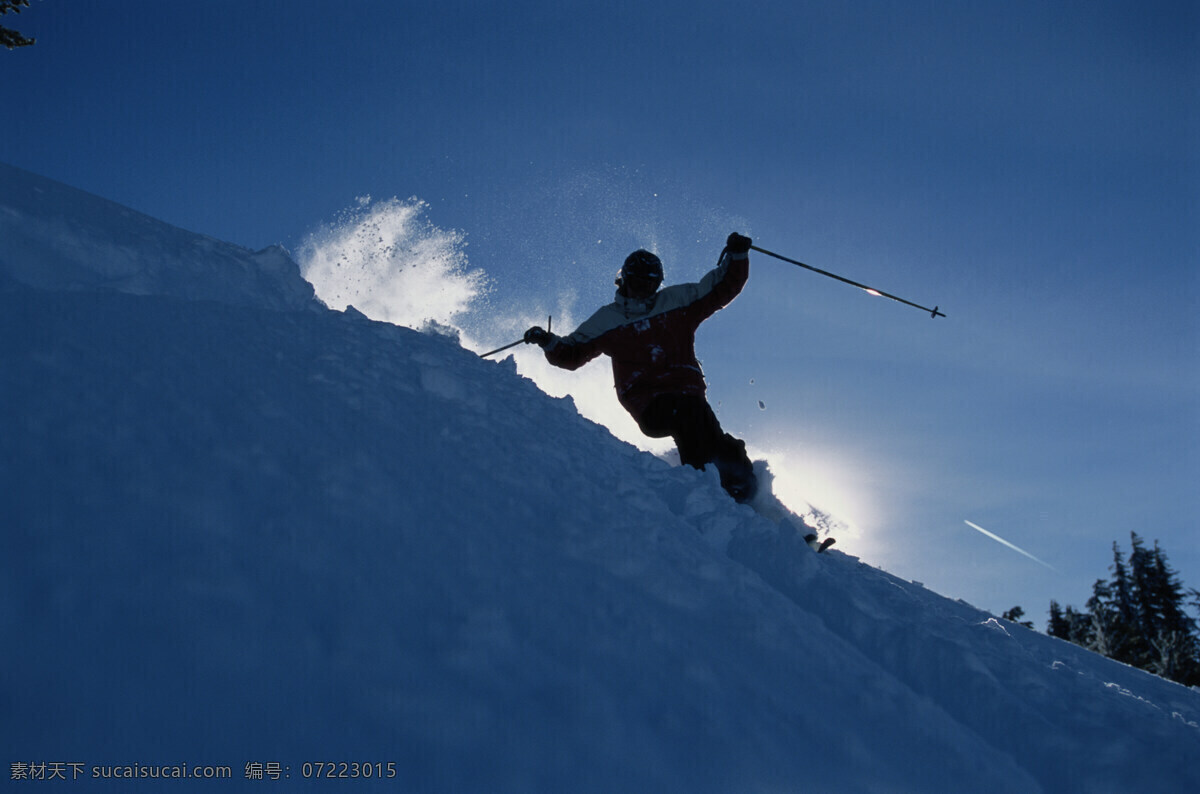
[(497, 350), (549, 321), (869, 290)]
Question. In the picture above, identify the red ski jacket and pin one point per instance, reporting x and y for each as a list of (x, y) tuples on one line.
[(652, 343)]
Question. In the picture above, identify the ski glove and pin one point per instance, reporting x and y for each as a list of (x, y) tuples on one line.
[(538, 336), (737, 244)]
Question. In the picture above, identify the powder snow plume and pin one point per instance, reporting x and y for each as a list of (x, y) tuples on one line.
[(392, 264)]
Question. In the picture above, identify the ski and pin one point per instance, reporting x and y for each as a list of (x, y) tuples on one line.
[(818, 547)]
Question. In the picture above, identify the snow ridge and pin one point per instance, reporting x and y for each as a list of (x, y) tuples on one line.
[(57, 237)]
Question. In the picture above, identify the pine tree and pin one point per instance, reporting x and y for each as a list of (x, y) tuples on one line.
[(1058, 626), (1146, 607), (1122, 596), (1174, 644), (11, 38), (1080, 628), (1106, 629), (1124, 643), (1015, 614), (1139, 617)]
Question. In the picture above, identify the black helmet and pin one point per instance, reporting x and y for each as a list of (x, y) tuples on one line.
[(641, 264)]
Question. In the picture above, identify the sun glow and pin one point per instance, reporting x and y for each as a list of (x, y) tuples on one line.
[(823, 481)]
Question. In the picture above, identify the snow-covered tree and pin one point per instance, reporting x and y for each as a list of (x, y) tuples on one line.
[(1175, 647), (1107, 630)]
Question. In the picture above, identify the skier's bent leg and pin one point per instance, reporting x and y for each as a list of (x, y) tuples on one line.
[(690, 420), (683, 418)]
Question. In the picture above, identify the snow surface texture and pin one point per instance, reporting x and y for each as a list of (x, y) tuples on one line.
[(243, 533)]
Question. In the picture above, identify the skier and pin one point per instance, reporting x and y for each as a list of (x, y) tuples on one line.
[(650, 335)]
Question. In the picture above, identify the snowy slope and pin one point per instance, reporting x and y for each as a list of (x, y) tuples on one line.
[(56, 237), (246, 529)]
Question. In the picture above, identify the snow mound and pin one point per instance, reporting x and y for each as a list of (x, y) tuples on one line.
[(57, 237)]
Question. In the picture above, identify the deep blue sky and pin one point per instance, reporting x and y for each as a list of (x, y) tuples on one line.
[(1033, 168)]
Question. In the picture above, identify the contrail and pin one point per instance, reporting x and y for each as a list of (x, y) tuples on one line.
[(1018, 549)]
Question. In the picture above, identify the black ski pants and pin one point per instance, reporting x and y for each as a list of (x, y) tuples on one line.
[(690, 421)]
